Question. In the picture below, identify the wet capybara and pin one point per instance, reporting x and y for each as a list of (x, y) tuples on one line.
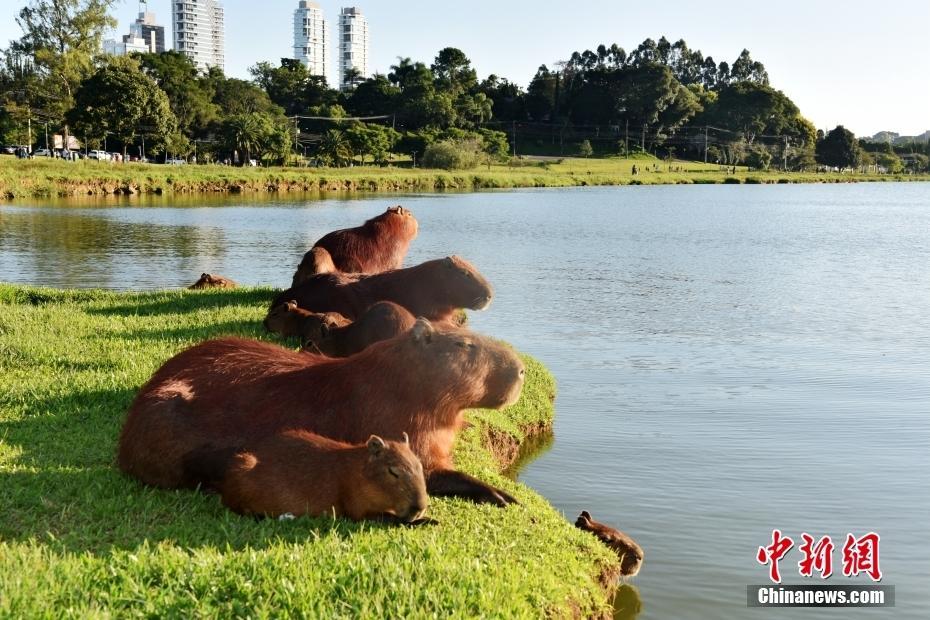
[(630, 553), (289, 320), (377, 245), (300, 473), (211, 281), (223, 394), (381, 321), (316, 261), (434, 290)]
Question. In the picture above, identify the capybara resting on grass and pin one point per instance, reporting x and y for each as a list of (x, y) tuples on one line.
[(221, 395), (332, 334), (316, 261), (434, 290), (300, 473), (289, 320), (377, 245), (211, 281), (630, 553)]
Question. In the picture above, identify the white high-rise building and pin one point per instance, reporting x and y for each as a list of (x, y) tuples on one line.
[(199, 31), (353, 45), (310, 36), (145, 36)]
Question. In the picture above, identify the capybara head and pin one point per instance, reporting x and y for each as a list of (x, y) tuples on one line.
[(208, 280), (285, 319), (491, 373), (630, 553), (317, 330), (401, 217), (393, 480), (317, 260), (463, 284)]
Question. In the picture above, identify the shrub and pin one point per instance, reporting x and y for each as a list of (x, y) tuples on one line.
[(452, 155), (759, 158)]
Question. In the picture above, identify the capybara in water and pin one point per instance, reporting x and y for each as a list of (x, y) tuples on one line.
[(289, 320), (381, 321), (211, 281), (434, 290), (223, 394), (300, 473), (316, 261), (377, 245), (630, 553)]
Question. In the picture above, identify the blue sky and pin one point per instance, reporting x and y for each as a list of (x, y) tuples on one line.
[(862, 64)]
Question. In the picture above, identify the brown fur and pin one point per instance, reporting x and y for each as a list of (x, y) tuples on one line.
[(211, 281), (289, 320), (223, 394), (379, 244), (435, 290), (630, 553), (381, 321), (316, 261), (300, 473)]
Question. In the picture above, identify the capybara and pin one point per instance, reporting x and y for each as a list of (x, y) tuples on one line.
[(211, 281), (289, 320), (630, 553), (300, 473), (377, 245), (222, 394), (434, 290), (316, 261), (381, 321)]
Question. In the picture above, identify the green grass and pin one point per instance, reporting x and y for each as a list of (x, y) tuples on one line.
[(78, 539), (51, 178)]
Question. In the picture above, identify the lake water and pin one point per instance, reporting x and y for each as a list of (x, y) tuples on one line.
[(730, 359)]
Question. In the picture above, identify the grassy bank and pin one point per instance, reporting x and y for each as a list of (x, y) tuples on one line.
[(50, 178), (78, 539)]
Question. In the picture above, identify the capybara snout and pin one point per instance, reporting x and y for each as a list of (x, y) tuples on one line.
[(393, 466)]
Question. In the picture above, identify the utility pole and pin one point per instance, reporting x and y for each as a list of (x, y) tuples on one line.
[(642, 142), (626, 140), (296, 134), (513, 134), (705, 144), (786, 154), (46, 136), (29, 126)]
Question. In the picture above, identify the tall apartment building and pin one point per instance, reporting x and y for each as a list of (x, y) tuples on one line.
[(145, 35), (353, 46), (199, 31), (310, 36)]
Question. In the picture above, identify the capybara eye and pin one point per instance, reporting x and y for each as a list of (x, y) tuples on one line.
[(394, 472)]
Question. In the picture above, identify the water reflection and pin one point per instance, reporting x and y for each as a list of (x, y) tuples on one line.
[(531, 449), (627, 602)]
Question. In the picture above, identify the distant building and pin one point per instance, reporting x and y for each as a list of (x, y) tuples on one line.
[(199, 31), (353, 46), (144, 36), (310, 37)]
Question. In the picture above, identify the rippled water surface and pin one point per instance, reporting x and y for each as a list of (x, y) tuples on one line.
[(730, 359)]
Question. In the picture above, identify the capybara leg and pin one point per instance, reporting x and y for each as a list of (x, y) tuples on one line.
[(451, 483)]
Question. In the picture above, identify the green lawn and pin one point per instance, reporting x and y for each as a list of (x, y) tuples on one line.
[(50, 178), (78, 539)]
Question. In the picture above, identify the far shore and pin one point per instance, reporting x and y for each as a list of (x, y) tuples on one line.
[(24, 179)]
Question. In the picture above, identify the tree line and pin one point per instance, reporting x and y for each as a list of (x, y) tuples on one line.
[(662, 97)]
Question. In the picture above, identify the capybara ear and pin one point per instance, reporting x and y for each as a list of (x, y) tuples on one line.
[(450, 261), (291, 305), (205, 276), (422, 331), (375, 445), (406, 438), (585, 514)]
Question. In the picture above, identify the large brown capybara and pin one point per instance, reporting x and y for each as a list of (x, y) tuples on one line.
[(379, 244), (316, 261), (300, 473), (211, 281), (289, 320), (381, 321), (630, 553), (223, 394), (434, 290)]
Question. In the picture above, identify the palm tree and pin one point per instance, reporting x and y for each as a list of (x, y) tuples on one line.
[(335, 147)]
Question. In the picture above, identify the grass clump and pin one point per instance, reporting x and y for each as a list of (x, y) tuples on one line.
[(79, 539)]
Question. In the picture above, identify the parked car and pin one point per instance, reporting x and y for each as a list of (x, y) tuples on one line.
[(9, 150), (175, 162), (98, 155), (42, 153)]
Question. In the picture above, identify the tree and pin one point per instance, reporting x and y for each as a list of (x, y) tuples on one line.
[(373, 97), (252, 133), (190, 94), (120, 100), (335, 148), (291, 85), (374, 140), (453, 72), (584, 149), (840, 149)]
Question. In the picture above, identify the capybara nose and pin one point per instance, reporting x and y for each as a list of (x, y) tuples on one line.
[(482, 302), (417, 508)]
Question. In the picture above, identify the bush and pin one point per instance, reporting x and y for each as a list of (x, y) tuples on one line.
[(452, 155), (759, 158)]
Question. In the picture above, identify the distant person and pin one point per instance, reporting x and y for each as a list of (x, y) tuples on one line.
[(635, 171)]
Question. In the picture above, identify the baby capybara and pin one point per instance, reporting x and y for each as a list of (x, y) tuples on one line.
[(211, 281), (630, 553), (223, 394), (381, 321), (316, 261), (377, 245), (300, 473), (289, 320), (434, 290)]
